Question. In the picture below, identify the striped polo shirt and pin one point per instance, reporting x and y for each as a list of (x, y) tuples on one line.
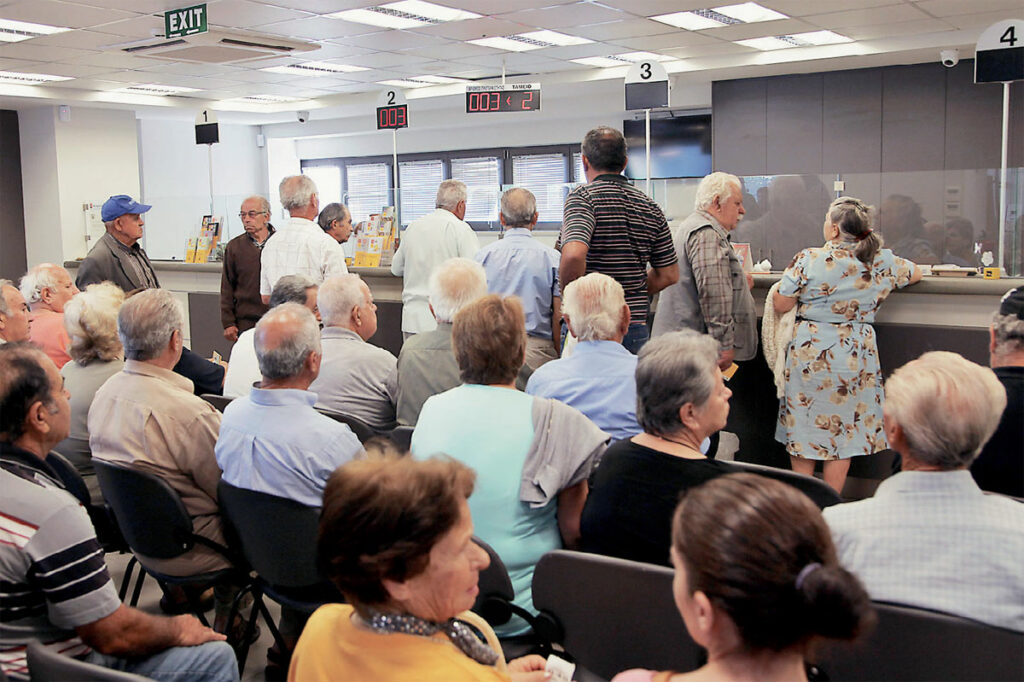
[(53, 577), (624, 230)]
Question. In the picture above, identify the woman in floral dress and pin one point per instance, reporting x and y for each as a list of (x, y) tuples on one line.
[(832, 409)]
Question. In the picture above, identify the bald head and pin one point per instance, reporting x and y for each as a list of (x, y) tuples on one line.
[(287, 341), (518, 208)]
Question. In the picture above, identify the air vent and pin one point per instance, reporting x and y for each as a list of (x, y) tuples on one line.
[(220, 47)]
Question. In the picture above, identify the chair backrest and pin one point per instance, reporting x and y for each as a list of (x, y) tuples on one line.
[(496, 591), (615, 614), (401, 436), (218, 401), (148, 510), (46, 665), (918, 644), (361, 429), (821, 493), (69, 476), (278, 535)]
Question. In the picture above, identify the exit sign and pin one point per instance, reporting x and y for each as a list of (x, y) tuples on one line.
[(185, 22)]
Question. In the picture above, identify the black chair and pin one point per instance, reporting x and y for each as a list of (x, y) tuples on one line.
[(46, 665), (612, 614), (278, 539), (361, 429), (918, 644), (156, 525), (401, 436), (218, 401), (821, 493)]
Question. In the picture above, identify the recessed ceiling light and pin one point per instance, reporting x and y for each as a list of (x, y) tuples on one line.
[(768, 43), (820, 38), (750, 12), (642, 57), (153, 89), (404, 14), (15, 78), (13, 31), (600, 62), (691, 21), (440, 80), (554, 38), (315, 69), (405, 83), (265, 99), (510, 43)]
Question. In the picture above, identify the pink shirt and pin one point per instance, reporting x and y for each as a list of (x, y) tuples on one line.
[(47, 332)]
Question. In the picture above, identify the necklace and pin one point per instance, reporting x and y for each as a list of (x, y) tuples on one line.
[(679, 442)]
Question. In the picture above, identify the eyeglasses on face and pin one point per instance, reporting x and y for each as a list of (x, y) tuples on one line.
[(250, 214)]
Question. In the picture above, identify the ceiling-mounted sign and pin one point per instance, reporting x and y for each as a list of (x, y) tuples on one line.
[(646, 86), (185, 22), (392, 110), (207, 131), (999, 54), (514, 97)]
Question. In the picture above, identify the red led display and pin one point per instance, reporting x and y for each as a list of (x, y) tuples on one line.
[(390, 118), (486, 101)]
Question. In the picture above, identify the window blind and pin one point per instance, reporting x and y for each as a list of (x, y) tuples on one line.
[(418, 181), (482, 176), (544, 175), (367, 189)]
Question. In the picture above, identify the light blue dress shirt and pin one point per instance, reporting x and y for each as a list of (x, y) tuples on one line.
[(599, 380), (519, 265), (273, 441)]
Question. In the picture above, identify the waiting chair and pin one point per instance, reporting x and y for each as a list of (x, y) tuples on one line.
[(218, 401), (821, 493), (46, 665), (156, 524), (401, 436), (612, 614), (361, 429), (278, 538), (919, 644)]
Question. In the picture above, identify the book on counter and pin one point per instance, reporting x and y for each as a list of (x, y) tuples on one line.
[(197, 249), (375, 244)]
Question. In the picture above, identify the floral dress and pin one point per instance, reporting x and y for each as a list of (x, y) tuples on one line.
[(833, 403)]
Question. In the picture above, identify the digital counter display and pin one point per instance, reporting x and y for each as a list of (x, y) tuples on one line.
[(486, 101), (393, 117)]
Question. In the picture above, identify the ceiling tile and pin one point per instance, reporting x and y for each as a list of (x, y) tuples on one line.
[(710, 50), (629, 28), (565, 16), (332, 51), (759, 29), (866, 17), (668, 41), (576, 51), (191, 68), (397, 40), (650, 8), (248, 14), (471, 29), (139, 27), (491, 7), (56, 13), (450, 51), (948, 8), (116, 60), (385, 59), (82, 39), (977, 22), (316, 28), (41, 53), (325, 6), (903, 28), (799, 8), (141, 6)]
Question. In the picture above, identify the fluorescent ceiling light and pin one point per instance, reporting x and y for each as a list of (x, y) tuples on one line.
[(440, 80), (509, 43), (691, 21), (14, 31), (14, 78), (153, 89), (404, 14), (405, 83), (554, 38), (750, 12), (265, 99), (314, 69), (600, 62), (767, 43), (643, 57), (820, 38)]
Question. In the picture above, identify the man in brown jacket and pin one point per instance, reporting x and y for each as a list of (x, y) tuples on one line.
[(240, 303)]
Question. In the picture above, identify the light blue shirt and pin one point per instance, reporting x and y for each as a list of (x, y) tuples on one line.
[(934, 540), (599, 380), (519, 265), (273, 441)]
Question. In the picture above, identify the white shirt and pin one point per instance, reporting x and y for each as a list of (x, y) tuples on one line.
[(243, 367), (425, 244), (300, 248)]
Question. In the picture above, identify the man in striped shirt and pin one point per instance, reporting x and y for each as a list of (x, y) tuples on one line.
[(611, 227), (54, 585)]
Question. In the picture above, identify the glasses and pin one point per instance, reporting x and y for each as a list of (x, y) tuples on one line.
[(250, 214)]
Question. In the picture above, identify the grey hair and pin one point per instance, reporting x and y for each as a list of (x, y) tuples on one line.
[(450, 193), (42, 276), (291, 289), (4, 308), (853, 218), (672, 370), (330, 213), (337, 297), (453, 285), (147, 321), (605, 149), (296, 191), (717, 184), (288, 357), (264, 203), (593, 303), (947, 406), (1009, 333), (518, 206), (90, 319)]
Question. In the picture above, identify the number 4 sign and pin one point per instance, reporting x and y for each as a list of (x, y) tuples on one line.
[(999, 54)]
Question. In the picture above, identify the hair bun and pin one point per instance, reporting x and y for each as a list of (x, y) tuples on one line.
[(836, 604)]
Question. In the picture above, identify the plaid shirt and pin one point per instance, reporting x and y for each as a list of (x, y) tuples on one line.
[(709, 260)]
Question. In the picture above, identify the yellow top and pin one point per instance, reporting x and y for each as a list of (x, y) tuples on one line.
[(333, 647)]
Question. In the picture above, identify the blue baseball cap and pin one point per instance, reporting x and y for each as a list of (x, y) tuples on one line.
[(119, 205)]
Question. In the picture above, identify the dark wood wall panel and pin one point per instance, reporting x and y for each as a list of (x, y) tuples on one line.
[(852, 121), (971, 108), (913, 118), (12, 218), (793, 114), (739, 135)]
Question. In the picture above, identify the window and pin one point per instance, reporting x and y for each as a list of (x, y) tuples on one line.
[(577, 164), (367, 189), (482, 176), (418, 181), (544, 175), (328, 183)]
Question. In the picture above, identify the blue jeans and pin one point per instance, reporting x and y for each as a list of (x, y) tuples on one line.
[(636, 337), (210, 662)]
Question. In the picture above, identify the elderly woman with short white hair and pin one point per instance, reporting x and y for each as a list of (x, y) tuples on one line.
[(681, 400)]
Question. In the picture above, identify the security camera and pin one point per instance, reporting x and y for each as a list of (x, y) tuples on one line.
[(302, 115), (950, 57)]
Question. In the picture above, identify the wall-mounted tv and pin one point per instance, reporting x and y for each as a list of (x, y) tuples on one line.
[(680, 147)]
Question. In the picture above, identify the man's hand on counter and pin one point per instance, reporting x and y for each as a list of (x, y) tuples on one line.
[(231, 333)]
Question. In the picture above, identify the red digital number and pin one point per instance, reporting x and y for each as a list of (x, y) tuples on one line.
[(400, 117), (527, 100), (495, 102)]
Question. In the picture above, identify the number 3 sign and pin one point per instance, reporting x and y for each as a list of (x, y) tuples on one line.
[(646, 86), (999, 54)]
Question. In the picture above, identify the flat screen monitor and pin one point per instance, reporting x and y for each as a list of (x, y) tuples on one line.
[(680, 147)]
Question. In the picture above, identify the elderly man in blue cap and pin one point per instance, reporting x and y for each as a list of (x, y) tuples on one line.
[(117, 257)]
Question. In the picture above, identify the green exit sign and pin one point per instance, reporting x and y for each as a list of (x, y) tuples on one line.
[(185, 22)]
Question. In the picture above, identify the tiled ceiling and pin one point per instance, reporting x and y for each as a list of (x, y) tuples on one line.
[(92, 52)]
